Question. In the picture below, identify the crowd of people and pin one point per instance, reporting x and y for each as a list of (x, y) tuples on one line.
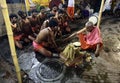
[(44, 27), (40, 28)]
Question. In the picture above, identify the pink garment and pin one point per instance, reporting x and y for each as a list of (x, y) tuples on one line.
[(37, 46), (93, 37)]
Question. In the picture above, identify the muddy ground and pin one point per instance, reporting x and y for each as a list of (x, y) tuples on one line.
[(104, 69)]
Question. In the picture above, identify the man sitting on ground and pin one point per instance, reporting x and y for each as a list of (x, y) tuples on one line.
[(16, 30), (45, 43), (89, 38)]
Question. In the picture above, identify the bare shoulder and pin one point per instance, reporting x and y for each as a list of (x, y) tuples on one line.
[(42, 34)]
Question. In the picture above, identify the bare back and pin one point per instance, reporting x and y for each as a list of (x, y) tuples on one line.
[(43, 36)]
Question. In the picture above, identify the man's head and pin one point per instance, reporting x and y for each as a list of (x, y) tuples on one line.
[(53, 24), (42, 11), (89, 25), (54, 8), (22, 14), (13, 18), (34, 13)]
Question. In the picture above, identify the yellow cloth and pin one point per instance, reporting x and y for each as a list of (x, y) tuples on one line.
[(27, 5), (73, 55), (42, 2), (39, 2), (71, 52)]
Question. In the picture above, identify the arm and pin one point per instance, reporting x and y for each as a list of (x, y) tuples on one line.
[(54, 43), (13, 25), (76, 33), (56, 15), (52, 40), (97, 50)]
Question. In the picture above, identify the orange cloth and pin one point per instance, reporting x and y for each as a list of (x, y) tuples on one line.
[(90, 40), (70, 11), (37, 46)]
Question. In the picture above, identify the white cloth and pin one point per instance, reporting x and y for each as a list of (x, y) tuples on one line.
[(107, 5), (31, 3), (71, 3)]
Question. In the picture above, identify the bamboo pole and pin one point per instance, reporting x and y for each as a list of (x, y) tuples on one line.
[(100, 13), (10, 37), (26, 7)]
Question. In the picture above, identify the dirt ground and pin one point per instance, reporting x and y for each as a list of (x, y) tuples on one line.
[(105, 68)]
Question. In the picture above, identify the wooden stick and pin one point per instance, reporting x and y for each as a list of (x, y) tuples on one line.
[(100, 13), (10, 37)]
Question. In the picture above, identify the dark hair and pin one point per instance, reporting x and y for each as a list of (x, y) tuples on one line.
[(54, 6), (53, 22), (12, 16), (42, 7), (64, 6), (22, 14), (34, 11)]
